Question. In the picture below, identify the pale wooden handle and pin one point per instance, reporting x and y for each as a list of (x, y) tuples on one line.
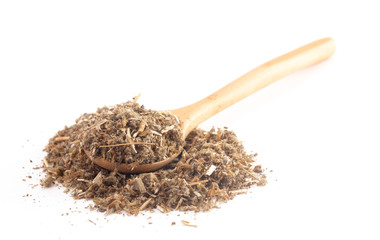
[(255, 80)]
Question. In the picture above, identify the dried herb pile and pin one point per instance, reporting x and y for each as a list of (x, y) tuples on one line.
[(212, 168), (129, 133)]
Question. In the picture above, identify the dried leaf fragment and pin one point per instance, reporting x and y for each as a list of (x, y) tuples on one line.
[(141, 128), (210, 170), (98, 179), (140, 185)]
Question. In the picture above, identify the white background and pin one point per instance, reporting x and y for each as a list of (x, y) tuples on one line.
[(318, 129)]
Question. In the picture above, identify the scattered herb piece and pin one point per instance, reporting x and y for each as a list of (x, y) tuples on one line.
[(186, 223)]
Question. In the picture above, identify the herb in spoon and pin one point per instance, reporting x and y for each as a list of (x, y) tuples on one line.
[(189, 117)]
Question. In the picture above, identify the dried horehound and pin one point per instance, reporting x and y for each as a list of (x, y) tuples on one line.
[(129, 133), (213, 167)]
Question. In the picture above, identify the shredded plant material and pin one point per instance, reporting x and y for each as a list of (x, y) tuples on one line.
[(128, 133), (212, 168)]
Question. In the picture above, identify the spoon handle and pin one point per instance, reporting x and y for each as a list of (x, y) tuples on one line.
[(258, 78)]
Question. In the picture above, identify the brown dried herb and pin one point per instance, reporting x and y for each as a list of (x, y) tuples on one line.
[(129, 133), (212, 168)]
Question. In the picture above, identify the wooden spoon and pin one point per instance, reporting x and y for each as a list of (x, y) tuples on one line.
[(192, 115)]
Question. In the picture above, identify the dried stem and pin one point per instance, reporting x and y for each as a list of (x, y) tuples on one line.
[(126, 144), (199, 182), (145, 204), (61, 139), (188, 224)]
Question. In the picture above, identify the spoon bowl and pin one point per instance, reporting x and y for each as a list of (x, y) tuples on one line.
[(194, 114)]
